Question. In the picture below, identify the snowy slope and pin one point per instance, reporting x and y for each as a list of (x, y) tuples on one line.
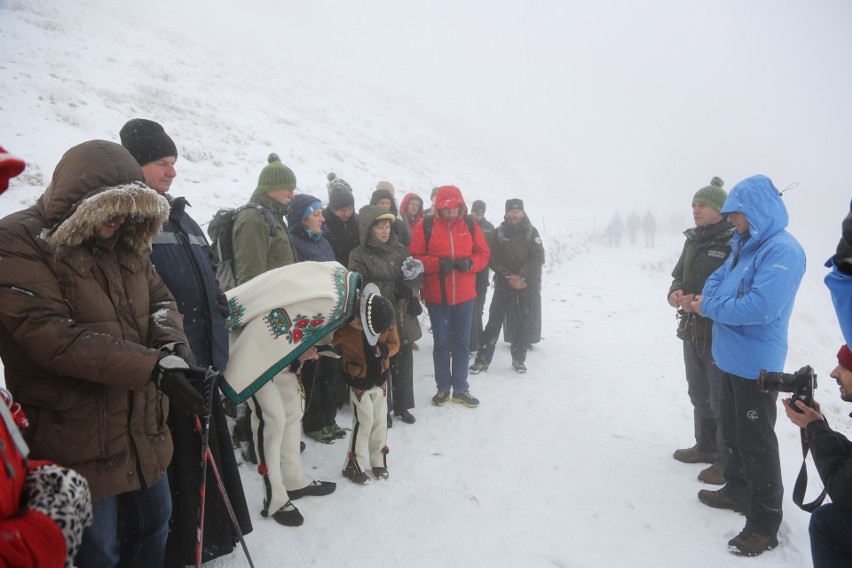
[(567, 466)]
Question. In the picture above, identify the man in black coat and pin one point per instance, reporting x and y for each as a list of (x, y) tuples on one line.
[(341, 220), (831, 524), (182, 257), (477, 211)]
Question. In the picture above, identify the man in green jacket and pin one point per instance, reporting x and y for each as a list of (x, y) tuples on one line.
[(705, 249)]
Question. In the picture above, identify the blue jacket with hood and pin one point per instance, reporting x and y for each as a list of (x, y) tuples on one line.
[(750, 297)]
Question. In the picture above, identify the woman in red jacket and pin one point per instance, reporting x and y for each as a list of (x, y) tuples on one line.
[(452, 249)]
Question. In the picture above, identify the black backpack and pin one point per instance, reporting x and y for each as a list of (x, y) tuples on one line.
[(221, 231), (427, 228)]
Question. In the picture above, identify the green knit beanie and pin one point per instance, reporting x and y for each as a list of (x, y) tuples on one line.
[(712, 195), (276, 176)]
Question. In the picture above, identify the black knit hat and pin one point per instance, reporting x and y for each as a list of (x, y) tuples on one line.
[(514, 204), (478, 206), (147, 141), (377, 315), (338, 198)]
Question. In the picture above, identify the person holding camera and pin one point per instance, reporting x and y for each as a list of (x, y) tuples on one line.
[(831, 524), (705, 249), (750, 300)]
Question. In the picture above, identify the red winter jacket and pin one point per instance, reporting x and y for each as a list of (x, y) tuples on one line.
[(450, 240), (27, 537)]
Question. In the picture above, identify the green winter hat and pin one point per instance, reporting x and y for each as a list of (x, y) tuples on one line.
[(276, 176), (712, 195)]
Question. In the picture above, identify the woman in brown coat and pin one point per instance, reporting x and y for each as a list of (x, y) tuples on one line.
[(83, 317)]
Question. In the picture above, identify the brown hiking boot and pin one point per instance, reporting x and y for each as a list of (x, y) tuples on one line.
[(752, 543), (713, 475), (693, 455), (720, 499)]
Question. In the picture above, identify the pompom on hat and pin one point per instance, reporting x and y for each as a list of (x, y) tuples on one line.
[(844, 357), (712, 195), (275, 176), (147, 140), (335, 183), (377, 315)]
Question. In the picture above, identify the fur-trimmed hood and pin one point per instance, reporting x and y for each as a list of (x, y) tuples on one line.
[(93, 182)]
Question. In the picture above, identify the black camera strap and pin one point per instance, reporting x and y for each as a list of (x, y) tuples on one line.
[(801, 484)]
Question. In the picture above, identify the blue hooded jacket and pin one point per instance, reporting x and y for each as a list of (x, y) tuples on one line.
[(750, 297), (840, 285)]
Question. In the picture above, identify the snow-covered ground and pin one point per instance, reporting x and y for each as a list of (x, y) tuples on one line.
[(569, 465)]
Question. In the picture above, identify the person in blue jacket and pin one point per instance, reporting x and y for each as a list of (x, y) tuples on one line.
[(750, 299), (182, 257), (839, 280)]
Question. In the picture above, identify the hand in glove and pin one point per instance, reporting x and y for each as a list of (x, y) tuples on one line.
[(464, 265), (411, 268), (171, 377), (843, 258), (402, 291), (447, 265)]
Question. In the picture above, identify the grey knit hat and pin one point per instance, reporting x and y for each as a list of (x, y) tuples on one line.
[(477, 206), (712, 195), (276, 176), (147, 141)]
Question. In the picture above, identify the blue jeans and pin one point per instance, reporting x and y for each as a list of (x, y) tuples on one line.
[(450, 334), (831, 537), (129, 529)]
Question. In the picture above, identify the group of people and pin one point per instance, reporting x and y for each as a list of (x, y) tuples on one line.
[(112, 319), (616, 226), (734, 287)]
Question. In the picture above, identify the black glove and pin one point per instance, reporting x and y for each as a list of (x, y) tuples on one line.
[(402, 291), (843, 258), (171, 375), (464, 265), (447, 265), (182, 351), (222, 303)]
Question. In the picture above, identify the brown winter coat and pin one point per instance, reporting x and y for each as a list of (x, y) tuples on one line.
[(81, 321), (353, 359)]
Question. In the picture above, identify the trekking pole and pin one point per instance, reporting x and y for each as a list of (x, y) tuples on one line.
[(207, 457)]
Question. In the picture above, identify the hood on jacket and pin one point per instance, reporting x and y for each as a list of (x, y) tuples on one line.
[(93, 182), (384, 194), (404, 206), (297, 207), (450, 196), (760, 201), (368, 215)]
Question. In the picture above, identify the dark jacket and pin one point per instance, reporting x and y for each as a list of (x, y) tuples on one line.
[(832, 454), (182, 257), (342, 236), (450, 240), (704, 251), (255, 252), (483, 277), (516, 249), (82, 321), (308, 247)]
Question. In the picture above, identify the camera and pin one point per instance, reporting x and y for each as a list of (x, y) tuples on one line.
[(802, 384)]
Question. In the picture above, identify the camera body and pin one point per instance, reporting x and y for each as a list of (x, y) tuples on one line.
[(801, 384)]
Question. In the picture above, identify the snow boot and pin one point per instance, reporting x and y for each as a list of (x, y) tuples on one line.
[(694, 455), (478, 367), (720, 499), (713, 475), (519, 367), (752, 543)]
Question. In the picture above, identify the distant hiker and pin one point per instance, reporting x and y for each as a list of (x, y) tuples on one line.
[(366, 344), (277, 406), (341, 221), (614, 230), (455, 252), (634, 223), (181, 256), (517, 256), (384, 261), (483, 277), (76, 270), (649, 228), (705, 250), (750, 299)]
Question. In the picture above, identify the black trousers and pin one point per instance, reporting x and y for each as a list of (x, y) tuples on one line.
[(753, 473), (402, 381), (506, 299), (321, 379)]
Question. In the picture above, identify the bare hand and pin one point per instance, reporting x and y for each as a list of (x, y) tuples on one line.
[(674, 298), (516, 282), (696, 304), (686, 302), (808, 414)]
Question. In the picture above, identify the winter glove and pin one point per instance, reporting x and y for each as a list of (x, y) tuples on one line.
[(222, 304), (411, 268), (402, 291), (63, 495), (843, 258), (464, 265), (447, 265), (171, 375), (182, 351)]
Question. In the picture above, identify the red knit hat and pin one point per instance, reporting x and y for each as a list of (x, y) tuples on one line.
[(844, 357), (10, 166)]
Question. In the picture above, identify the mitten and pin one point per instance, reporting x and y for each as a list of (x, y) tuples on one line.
[(63, 495), (402, 291), (447, 265), (411, 268)]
